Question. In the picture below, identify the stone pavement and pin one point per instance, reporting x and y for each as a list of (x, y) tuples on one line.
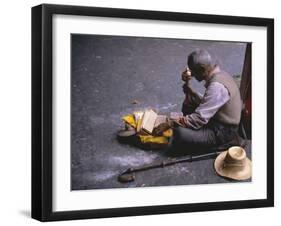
[(108, 74)]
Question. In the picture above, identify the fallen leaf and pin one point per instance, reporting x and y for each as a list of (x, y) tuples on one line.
[(135, 102)]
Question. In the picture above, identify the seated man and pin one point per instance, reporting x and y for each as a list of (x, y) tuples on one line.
[(209, 122)]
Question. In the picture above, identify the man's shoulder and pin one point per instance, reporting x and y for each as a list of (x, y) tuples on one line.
[(215, 87), (222, 77), (222, 73)]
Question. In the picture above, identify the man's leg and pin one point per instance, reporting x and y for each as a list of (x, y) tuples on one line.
[(189, 141), (214, 136)]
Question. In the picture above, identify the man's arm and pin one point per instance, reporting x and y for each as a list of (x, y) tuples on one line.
[(216, 95), (189, 91)]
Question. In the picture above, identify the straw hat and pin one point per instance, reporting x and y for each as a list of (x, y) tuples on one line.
[(234, 164)]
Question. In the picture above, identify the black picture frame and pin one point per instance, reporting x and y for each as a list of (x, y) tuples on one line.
[(42, 108)]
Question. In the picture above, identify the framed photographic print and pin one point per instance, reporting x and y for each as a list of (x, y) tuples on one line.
[(145, 112)]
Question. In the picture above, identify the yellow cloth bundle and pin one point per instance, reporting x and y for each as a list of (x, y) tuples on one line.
[(130, 119)]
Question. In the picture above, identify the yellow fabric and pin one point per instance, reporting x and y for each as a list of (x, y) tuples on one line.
[(130, 119), (152, 139)]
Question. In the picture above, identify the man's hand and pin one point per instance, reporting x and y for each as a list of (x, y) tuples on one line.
[(186, 75), (161, 128), (181, 121)]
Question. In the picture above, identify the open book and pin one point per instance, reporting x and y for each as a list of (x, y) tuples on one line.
[(149, 120)]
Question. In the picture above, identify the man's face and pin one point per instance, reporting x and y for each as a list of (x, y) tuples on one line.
[(197, 74)]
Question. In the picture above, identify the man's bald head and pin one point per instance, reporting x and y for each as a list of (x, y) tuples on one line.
[(199, 58), (200, 63)]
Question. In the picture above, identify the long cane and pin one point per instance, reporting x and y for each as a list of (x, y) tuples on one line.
[(129, 174)]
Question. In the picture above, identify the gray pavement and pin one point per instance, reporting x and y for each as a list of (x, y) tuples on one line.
[(108, 74)]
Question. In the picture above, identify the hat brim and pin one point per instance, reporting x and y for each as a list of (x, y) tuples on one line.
[(230, 172)]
